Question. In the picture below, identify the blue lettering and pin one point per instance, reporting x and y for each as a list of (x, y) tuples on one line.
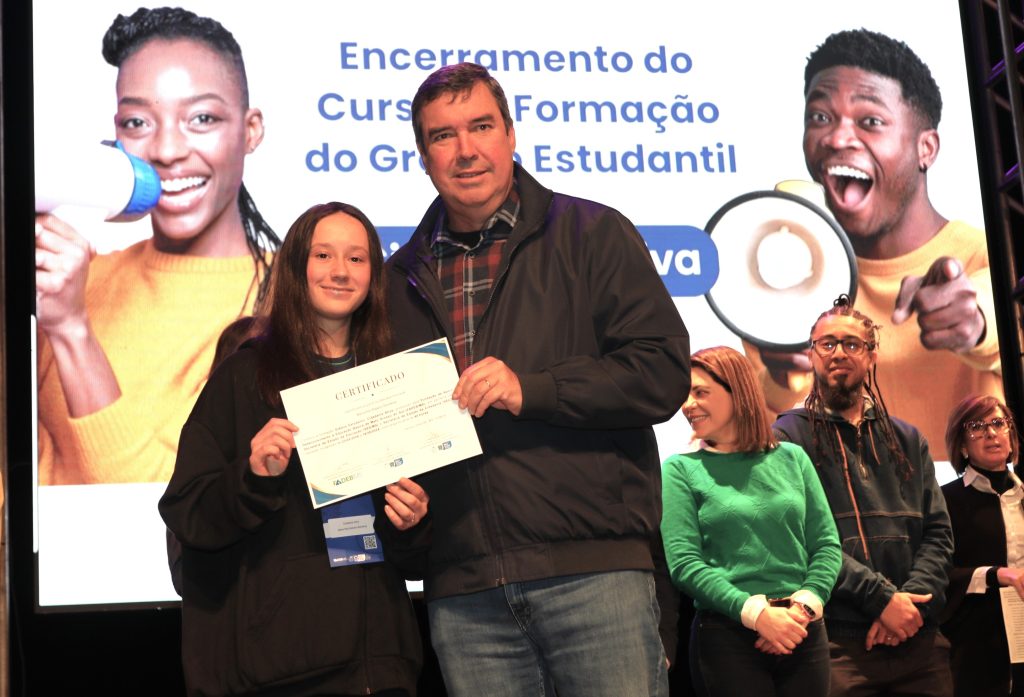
[(394, 59), (659, 62), (321, 106), (384, 158), (348, 56), (320, 160)]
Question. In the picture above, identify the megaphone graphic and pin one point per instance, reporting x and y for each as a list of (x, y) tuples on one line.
[(99, 176), (783, 259)]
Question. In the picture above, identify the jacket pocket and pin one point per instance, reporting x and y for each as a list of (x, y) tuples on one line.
[(307, 618)]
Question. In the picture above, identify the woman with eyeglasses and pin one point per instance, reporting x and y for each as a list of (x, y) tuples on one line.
[(985, 508), (750, 537)]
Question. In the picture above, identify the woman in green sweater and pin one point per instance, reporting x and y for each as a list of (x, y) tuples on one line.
[(749, 536)]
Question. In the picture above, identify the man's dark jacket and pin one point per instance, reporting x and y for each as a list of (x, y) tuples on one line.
[(895, 533), (573, 484)]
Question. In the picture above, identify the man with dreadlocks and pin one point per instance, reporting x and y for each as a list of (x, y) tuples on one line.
[(897, 542), (871, 115)]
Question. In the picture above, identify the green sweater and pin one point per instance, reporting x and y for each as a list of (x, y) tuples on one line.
[(742, 524)]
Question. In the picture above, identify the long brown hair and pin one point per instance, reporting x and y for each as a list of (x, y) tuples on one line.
[(974, 408), (734, 372), (293, 336)]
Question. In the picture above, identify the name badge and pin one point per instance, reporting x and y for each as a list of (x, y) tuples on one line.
[(348, 530)]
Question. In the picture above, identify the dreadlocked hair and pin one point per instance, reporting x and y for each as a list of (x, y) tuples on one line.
[(260, 238), (822, 431)]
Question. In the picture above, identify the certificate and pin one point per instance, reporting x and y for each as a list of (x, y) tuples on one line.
[(365, 427), (1013, 619)]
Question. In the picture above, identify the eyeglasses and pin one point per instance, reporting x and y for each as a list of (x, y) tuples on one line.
[(977, 429), (852, 346)]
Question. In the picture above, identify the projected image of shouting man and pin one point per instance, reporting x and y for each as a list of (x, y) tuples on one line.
[(870, 138)]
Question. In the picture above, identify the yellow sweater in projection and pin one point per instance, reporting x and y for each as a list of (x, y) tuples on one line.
[(157, 317), (918, 385)]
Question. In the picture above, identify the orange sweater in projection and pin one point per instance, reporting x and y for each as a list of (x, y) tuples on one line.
[(157, 317)]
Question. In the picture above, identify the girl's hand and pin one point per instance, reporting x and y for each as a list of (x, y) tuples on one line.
[(272, 447), (405, 503)]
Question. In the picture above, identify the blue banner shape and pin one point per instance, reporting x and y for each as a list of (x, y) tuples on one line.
[(685, 256)]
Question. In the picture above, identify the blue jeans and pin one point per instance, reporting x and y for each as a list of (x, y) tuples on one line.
[(724, 662), (591, 635)]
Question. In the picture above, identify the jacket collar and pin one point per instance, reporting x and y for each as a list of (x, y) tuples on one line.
[(870, 414), (976, 480), (534, 200)]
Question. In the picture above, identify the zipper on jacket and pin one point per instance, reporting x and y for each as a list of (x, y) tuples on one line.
[(478, 478), (860, 451), (490, 528), (853, 498), (481, 476)]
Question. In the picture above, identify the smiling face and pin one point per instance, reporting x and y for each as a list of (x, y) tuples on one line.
[(468, 155), (990, 450), (180, 107), (867, 147), (840, 376), (338, 274), (709, 409)]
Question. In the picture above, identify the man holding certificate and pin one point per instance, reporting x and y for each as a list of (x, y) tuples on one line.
[(539, 571)]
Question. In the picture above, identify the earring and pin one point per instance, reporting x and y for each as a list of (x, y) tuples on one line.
[(922, 168)]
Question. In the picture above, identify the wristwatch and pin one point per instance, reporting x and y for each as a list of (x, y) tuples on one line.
[(789, 602)]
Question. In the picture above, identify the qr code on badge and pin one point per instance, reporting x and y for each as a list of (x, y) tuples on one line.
[(369, 542)]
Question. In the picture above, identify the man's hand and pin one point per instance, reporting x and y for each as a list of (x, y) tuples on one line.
[(878, 634), (780, 364), (946, 305), (901, 618), (489, 383)]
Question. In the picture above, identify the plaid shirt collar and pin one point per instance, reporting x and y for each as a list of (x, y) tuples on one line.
[(443, 241)]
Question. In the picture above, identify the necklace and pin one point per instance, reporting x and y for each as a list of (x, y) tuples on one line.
[(337, 364)]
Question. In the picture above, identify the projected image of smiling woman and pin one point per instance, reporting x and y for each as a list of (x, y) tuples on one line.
[(128, 336)]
